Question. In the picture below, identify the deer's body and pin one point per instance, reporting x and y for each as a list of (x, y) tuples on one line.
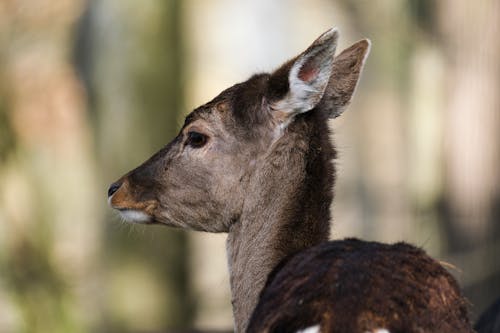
[(358, 286), (256, 162)]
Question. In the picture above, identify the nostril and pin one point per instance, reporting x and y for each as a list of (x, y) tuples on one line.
[(113, 188)]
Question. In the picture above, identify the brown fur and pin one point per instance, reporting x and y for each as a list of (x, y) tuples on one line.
[(286, 211), (265, 175), (358, 286)]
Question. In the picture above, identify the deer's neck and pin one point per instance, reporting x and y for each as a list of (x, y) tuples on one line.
[(286, 211)]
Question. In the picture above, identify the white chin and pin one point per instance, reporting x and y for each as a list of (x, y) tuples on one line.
[(135, 216)]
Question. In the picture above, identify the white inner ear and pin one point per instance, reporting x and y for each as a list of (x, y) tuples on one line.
[(304, 95), (311, 329)]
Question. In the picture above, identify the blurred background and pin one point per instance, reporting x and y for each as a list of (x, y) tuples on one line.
[(89, 89)]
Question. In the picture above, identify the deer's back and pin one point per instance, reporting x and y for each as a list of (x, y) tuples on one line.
[(358, 286)]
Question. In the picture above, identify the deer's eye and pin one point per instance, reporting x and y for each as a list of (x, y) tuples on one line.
[(196, 140)]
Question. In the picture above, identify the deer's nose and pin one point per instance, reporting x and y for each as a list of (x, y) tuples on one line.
[(113, 188)]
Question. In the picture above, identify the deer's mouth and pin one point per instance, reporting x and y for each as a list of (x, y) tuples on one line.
[(134, 215), (137, 212), (140, 213), (121, 199)]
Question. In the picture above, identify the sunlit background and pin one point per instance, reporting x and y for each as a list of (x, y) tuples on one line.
[(89, 89)]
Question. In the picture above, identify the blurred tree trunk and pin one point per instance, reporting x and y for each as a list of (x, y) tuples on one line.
[(48, 215), (379, 175), (472, 123), (130, 55)]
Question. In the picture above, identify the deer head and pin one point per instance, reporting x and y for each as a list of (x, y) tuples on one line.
[(254, 162), (201, 179)]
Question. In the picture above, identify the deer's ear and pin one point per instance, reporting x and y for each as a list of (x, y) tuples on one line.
[(299, 84), (347, 67)]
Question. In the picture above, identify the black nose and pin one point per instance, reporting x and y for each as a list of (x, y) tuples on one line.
[(113, 188)]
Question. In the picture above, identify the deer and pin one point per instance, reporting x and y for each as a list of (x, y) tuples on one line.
[(256, 162)]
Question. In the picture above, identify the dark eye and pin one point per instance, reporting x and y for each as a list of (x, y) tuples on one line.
[(196, 140)]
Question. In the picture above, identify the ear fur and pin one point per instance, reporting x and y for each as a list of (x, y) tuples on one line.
[(307, 78), (346, 71), (316, 78)]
